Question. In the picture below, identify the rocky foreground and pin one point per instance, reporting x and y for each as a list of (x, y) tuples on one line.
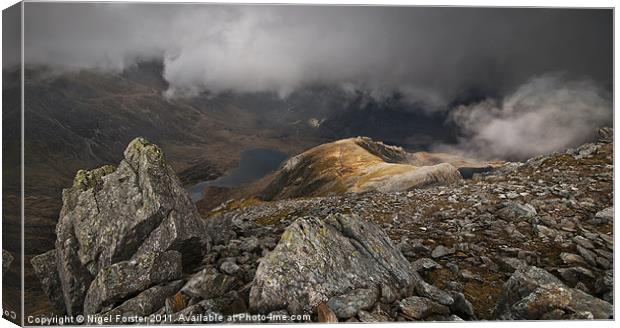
[(528, 241)]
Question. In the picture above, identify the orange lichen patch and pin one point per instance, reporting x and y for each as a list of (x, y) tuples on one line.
[(325, 314), (177, 302)]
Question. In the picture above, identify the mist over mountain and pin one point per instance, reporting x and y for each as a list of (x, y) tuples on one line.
[(387, 64), (412, 50)]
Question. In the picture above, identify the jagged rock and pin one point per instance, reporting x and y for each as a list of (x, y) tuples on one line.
[(606, 215), (147, 302), (44, 266), (514, 210), (586, 254), (425, 264), (208, 283), (606, 135), (419, 308), (365, 316), (347, 305), (510, 264), (7, 259), (573, 275), (461, 306), (318, 259), (583, 242), (422, 288), (604, 286), (572, 259), (230, 268), (532, 293), (112, 214), (123, 279), (441, 251)]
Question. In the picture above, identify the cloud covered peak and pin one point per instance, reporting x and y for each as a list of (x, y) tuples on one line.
[(431, 55)]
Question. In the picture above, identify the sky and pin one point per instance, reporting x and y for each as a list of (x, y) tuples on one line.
[(440, 57)]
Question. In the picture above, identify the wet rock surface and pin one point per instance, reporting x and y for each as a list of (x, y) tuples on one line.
[(530, 240)]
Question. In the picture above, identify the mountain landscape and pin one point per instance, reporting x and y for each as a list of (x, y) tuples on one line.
[(431, 211), (209, 163), (518, 242)]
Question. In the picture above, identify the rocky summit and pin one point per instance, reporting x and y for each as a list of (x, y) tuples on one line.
[(525, 241), (114, 219)]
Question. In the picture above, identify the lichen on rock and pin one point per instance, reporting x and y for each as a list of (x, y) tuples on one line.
[(317, 259)]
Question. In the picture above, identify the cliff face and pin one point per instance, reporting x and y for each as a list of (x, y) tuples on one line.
[(359, 165)]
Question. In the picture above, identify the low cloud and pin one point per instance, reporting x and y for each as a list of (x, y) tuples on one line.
[(548, 113), (428, 55)]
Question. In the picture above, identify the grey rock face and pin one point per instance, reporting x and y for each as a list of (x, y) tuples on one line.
[(462, 306), (574, 275), (146, 302), (573, 259), (421, 307), (7, 259), (114, 214), (347, 305), (606, 215), (123, 279), (318, 259), (425, 264), (441, 251), (208, 283), (422, 288), (604, 286), (533, 293), (45, 268), (514, 210)]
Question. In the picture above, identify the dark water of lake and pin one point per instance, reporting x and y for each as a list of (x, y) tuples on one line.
[(253, 165), (468, 172)]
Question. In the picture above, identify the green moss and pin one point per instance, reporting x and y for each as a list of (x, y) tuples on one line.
[(140, 145), (273, 219), (85, 179)]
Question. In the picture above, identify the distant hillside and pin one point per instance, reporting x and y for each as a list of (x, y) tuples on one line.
[(361, 164)]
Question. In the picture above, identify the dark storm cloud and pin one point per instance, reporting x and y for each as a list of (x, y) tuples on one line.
[(433, 54), (439, 57)]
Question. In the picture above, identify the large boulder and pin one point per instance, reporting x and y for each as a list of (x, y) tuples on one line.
[(317, 259), (147, 302), (114, 214), (532, 293)]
